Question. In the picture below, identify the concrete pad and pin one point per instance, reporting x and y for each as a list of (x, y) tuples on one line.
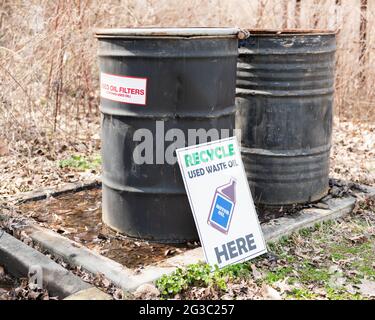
[(18, 259), (89, 294), (284, 226), (130, 280), (125, 278)]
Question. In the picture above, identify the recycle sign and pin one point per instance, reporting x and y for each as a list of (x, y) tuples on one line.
[(221, 202)]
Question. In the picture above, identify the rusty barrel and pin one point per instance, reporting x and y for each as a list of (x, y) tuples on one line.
[(156, 85), (284, 99)]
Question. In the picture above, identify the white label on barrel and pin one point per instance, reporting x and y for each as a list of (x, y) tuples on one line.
[(123, 88)]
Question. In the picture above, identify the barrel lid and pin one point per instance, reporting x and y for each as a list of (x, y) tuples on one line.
[(167, 32)]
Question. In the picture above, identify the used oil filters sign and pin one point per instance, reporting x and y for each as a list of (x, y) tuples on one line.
[(123, 88), (221, 202)]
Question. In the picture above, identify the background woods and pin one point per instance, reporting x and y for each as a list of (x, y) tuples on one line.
[(48, 67)]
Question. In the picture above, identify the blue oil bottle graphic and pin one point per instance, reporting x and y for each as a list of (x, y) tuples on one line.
[(222, 206)]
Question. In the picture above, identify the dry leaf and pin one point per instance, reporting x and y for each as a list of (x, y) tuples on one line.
[(334, 269), (283, 286), (358, 239), (256, 274), (367, 288), (336, 281), (270, 293), (146, 291), (350, 289)]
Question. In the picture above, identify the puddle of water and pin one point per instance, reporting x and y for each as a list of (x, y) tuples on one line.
[(78, 217)]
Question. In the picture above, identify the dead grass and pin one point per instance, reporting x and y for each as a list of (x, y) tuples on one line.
[(31, 166), (353, 152), (49, 76)]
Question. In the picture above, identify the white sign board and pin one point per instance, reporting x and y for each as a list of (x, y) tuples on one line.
[(221, 202)]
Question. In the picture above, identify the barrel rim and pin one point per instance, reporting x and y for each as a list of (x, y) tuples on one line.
[(167, 32), (290, 32)]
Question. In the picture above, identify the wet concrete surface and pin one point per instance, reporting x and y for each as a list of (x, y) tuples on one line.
[(78, 217)]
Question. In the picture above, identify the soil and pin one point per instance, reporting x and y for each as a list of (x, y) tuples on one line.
[(78, 217)]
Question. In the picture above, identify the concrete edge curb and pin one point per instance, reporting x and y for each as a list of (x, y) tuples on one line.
[(78, 255), (129, 279), (125, 278), (19, 260), (56, 191), (274, 230)]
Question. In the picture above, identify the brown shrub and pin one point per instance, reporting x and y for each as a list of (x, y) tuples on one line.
[(48, 69)]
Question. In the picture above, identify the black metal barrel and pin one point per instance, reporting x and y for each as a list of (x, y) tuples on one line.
[(154, 80), (284, 98)]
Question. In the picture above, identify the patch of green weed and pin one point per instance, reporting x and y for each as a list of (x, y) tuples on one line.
[(310, 274), (278, 274), (199, 275), (80, 162), (333, 294), (302, 294)]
